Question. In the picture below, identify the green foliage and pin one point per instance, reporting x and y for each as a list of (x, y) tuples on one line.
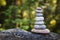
[(14, 14), (25, 27)]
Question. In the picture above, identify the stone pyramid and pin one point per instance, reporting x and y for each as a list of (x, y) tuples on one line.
[(39, 26)]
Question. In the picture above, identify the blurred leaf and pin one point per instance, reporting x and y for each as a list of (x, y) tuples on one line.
[(58, 31), (26, 21), (24, 27), (18, 20), (3, 2), (2, 29), (53, 22)]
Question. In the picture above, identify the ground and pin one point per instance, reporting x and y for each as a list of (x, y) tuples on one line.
[(18, 34)]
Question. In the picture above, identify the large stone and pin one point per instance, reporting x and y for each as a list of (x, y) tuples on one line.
[(45, 31), (25, 35)]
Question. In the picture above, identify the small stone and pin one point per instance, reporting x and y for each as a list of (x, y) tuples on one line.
[(39, 14), (39, 18), (39, 22), (36, 26), (39, 11), (40, 26), (41, 31), (39, 8)]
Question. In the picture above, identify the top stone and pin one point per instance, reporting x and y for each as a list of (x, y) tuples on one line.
[(39, 8)]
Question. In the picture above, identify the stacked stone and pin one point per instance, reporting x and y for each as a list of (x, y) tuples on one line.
[(39, 26)]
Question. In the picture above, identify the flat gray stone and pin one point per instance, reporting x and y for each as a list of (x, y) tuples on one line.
[(25, 35), (39, 22), (39, 18), (39, 11), (39, 15), (40, 26), (41, 31)]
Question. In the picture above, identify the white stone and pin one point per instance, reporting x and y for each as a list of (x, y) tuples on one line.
[(39, 18), (39, 11), (41, 31), (36, 26), (39, 14), (39, 22), (40, 26), (43, 26), (39, 8)]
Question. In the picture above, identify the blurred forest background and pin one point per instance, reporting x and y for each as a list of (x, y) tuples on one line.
[(21, 14)]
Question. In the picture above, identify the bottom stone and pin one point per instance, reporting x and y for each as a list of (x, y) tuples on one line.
[(41, 31)]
